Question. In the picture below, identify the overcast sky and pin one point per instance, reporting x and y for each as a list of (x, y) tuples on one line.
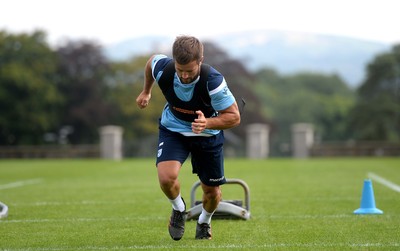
[(110, 21)]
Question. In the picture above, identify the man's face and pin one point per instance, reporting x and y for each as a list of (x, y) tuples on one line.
[(187, 73)]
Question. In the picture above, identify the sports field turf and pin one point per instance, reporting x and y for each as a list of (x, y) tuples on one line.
[(105, 205)]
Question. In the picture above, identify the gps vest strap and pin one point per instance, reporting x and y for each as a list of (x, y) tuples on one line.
[(186, 110)]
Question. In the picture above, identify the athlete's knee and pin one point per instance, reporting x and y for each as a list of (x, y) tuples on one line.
[(166, 179), (212, 192), (167, 174)]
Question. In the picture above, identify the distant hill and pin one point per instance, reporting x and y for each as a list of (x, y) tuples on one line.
[(286, 52)]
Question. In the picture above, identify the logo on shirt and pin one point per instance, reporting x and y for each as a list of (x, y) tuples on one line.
[(225, 90), (181, 110)]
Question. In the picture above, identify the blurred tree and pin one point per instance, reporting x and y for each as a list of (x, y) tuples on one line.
[(376, 115), (29, 99), (321, 100), (326, 103), (126, 82), (82, 70), (140, 126)]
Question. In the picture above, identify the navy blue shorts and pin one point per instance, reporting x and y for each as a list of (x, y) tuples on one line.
[(206, 154)]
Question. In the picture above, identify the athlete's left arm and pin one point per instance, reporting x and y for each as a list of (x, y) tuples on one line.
[(226, 119)]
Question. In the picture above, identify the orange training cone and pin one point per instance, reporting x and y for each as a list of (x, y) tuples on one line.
[(368, 200)]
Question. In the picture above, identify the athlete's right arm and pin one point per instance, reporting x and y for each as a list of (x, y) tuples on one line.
[(144, 97)]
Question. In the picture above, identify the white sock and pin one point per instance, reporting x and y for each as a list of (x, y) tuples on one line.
[(205, 217), (178, 204)]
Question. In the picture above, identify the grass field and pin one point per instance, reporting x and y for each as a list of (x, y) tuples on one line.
[(105, 205)]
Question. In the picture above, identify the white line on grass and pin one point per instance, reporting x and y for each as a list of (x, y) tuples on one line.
[(217, 247), (20, 183), (384, 182), (9, 221), (82, 219), (306, 216), (84, 202)]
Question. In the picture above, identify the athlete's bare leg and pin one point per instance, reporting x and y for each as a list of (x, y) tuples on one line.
[(168, 172), (211, 197)]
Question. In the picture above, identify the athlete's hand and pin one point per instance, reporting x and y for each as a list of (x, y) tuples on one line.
[(143, 100), (199, 124)]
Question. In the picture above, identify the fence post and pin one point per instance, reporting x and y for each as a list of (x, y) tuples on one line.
[(302, 140), (257, 141), (111, 142)]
